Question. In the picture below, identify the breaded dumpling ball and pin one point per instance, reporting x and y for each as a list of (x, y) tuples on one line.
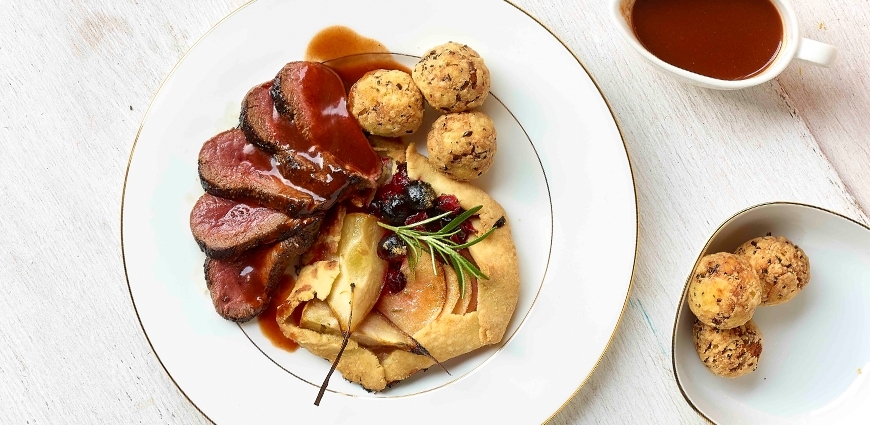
[(724, 290), (783, 268), (728, 352), (462, 145), (452, 77), (386, 103)]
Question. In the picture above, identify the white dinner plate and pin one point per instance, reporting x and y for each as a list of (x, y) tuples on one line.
[(562, 174), (815, 358)]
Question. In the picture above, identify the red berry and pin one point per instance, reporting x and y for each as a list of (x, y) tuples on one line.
[(394, 279), (466, 229), (447, 203), (401, 179), (416, 218)]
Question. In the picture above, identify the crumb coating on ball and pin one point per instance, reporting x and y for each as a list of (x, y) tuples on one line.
[(386, 103), (452, 78), (784, 268), (462, 145), (728, 352), (724, 290)]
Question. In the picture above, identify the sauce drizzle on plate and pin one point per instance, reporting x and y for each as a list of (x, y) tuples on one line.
[(350, 54), (268, 318)]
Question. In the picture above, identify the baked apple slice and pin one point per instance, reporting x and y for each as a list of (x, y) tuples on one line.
[(358, 265), (376, 331), (318, 317), (422, 299)]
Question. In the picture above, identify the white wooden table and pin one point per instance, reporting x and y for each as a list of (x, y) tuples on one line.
[(77, 76)]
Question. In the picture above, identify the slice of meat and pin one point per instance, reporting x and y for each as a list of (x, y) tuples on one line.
[(242, 286), (297, 156), (230, 167), (312, 95), (265, 127), (224, 227)]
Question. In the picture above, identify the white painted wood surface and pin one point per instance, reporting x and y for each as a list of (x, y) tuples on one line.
[(75, 81)]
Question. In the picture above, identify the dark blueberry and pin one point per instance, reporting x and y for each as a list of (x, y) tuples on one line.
[(392, 248), (395, 209), (445, 221), (441, 222), (375, 208), (421, 196)]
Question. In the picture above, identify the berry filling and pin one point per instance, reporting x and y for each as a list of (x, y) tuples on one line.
[(394, 279), (403, 201)]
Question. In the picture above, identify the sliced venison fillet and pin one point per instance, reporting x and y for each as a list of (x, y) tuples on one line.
[(312, 95), (265, 127), (314, 152), (297, 156), (242, 286), (230, 167), (223, 227), (297, 150)]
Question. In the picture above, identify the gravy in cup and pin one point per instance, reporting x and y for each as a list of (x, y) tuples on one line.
[(724, 39), (718, 44)]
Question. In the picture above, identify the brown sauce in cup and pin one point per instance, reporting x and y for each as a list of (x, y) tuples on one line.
[(724, 39)]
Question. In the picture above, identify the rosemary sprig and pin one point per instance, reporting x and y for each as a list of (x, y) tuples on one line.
[(439, 242)]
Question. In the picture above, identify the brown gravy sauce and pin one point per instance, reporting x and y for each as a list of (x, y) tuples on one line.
[(268, 319), (724, 39), (339, 41), (350, 54)]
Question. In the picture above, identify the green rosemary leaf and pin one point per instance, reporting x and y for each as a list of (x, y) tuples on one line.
[(470, 267), (469, 243), (432, 256), (415, 249), (460, 218), (426, 221), (461, 275)]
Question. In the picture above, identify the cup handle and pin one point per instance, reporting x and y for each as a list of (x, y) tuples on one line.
[(817, 53)]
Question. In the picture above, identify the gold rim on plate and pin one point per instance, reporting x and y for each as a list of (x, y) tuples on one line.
[(636, 209)]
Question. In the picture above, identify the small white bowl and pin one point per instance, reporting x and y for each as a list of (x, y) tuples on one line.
[(815, 363)]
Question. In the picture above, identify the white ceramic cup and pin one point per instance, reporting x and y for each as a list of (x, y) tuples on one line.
[(793, 47)]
